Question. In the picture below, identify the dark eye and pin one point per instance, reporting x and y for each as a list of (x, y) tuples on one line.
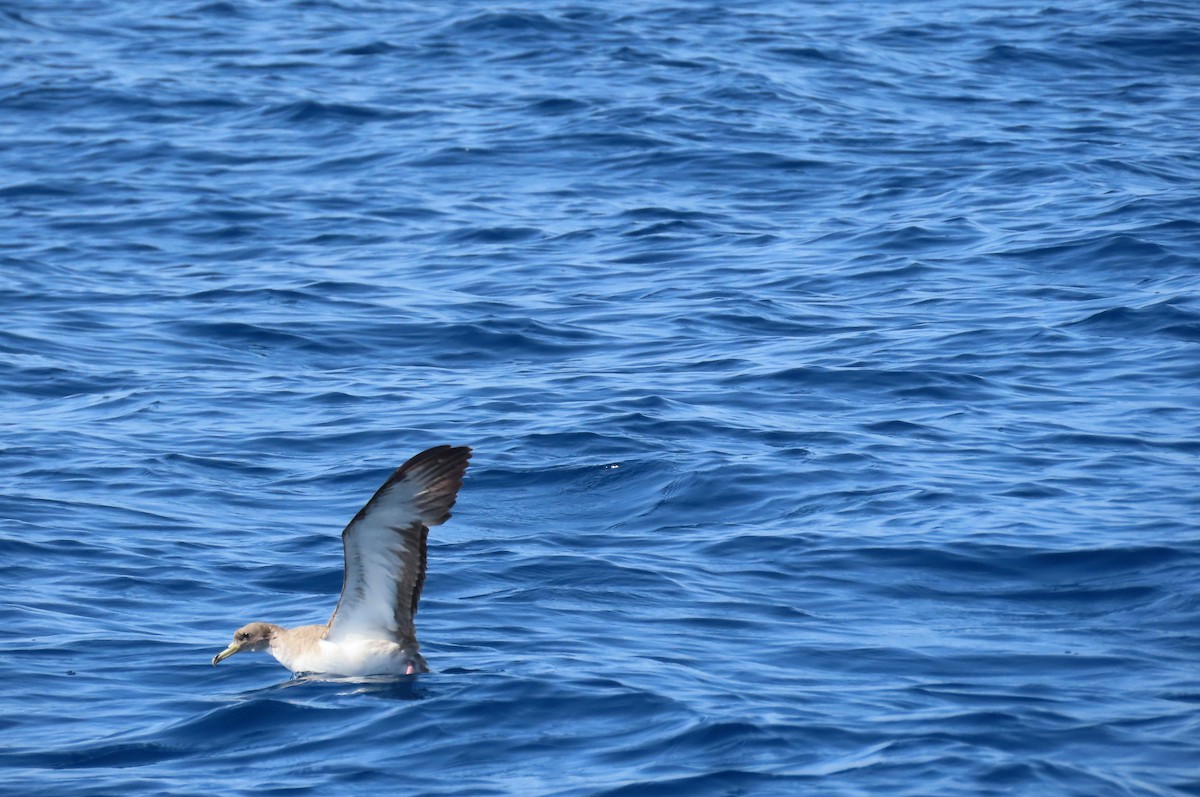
[(243, 635)]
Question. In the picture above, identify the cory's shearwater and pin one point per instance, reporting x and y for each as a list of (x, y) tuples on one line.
[(371, 631)]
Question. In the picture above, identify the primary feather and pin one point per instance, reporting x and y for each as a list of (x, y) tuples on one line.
[(384, 547)]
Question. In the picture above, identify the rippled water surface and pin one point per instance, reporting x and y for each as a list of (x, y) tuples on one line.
[(833, 371)]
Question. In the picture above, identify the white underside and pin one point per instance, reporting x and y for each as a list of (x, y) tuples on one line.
[(348, 657)]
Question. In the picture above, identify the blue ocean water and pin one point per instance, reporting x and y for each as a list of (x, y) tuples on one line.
[(832, 369)]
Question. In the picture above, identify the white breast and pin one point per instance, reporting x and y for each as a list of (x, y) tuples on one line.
[(347, 657)]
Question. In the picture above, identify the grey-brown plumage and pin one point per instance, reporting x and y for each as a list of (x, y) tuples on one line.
[(372, 629)]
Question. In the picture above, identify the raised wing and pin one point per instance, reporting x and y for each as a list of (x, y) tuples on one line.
[(384, 546)]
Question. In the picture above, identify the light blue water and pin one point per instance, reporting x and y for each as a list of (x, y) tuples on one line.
[(832, 371)]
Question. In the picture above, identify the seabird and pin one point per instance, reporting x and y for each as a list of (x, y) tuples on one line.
[(371, 631)]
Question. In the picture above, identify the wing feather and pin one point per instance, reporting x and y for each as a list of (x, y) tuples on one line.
[(385, 547)]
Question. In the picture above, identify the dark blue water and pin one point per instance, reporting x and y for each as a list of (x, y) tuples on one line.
[(833, 371)]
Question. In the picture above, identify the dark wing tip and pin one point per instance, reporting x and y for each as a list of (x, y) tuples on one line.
[(438, 472)]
